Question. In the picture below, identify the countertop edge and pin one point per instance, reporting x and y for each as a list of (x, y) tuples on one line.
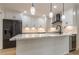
[(34, 36)]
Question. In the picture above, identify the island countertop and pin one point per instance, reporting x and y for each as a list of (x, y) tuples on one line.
[(31, 36), (42, 44)]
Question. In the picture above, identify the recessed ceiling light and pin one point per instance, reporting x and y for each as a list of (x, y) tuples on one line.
[(55, 6)]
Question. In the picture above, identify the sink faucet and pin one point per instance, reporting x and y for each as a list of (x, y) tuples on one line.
[(60, 30)]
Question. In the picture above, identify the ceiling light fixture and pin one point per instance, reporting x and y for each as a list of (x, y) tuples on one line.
[(32, 9), (63, 16), (50, 13)]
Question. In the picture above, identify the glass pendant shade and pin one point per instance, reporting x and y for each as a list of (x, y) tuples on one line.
[(50, 14), (32, 10), (63, 17)]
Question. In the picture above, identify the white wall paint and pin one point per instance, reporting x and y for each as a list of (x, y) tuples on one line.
[(33, 21)]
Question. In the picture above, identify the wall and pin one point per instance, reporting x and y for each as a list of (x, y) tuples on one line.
[(1, 29), (77, 28), (33, 21)]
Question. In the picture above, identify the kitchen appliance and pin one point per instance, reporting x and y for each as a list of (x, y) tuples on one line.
[(72, 42), (58, 17), (10, 29)]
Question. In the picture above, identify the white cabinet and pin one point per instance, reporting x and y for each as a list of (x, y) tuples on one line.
[(69, 18), (12, 15), (57, 45), (62, 42)]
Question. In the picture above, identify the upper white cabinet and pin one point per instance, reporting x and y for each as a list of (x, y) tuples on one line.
[(33, 21), (70, 19), (12, 15)]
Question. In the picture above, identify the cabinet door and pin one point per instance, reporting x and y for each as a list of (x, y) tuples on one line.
[(68, 17)]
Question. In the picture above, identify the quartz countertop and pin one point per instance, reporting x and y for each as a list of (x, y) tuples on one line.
[(31, 36)]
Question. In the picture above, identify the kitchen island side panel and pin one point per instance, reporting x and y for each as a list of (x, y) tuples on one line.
[(43, 46)]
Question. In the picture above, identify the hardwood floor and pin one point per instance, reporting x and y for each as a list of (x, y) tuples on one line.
[(74, 53), (12, 51)]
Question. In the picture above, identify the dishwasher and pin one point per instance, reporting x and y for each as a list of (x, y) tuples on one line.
[(72, 42)]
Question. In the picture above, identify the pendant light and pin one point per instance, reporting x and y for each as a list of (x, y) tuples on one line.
[(63, 16), (50, 13), (32, 9)]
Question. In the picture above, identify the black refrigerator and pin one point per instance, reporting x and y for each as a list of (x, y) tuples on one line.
[(10, 29)]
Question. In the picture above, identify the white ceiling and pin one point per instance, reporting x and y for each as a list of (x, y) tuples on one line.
[(41, 8)]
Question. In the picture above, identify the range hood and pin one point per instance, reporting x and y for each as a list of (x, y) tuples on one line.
[(57, 18)]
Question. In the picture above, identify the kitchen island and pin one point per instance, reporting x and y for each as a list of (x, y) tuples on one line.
[(42, 44)]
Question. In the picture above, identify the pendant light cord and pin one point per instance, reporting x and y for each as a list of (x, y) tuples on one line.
[(63, 8), (32, 4), (50, 7)]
